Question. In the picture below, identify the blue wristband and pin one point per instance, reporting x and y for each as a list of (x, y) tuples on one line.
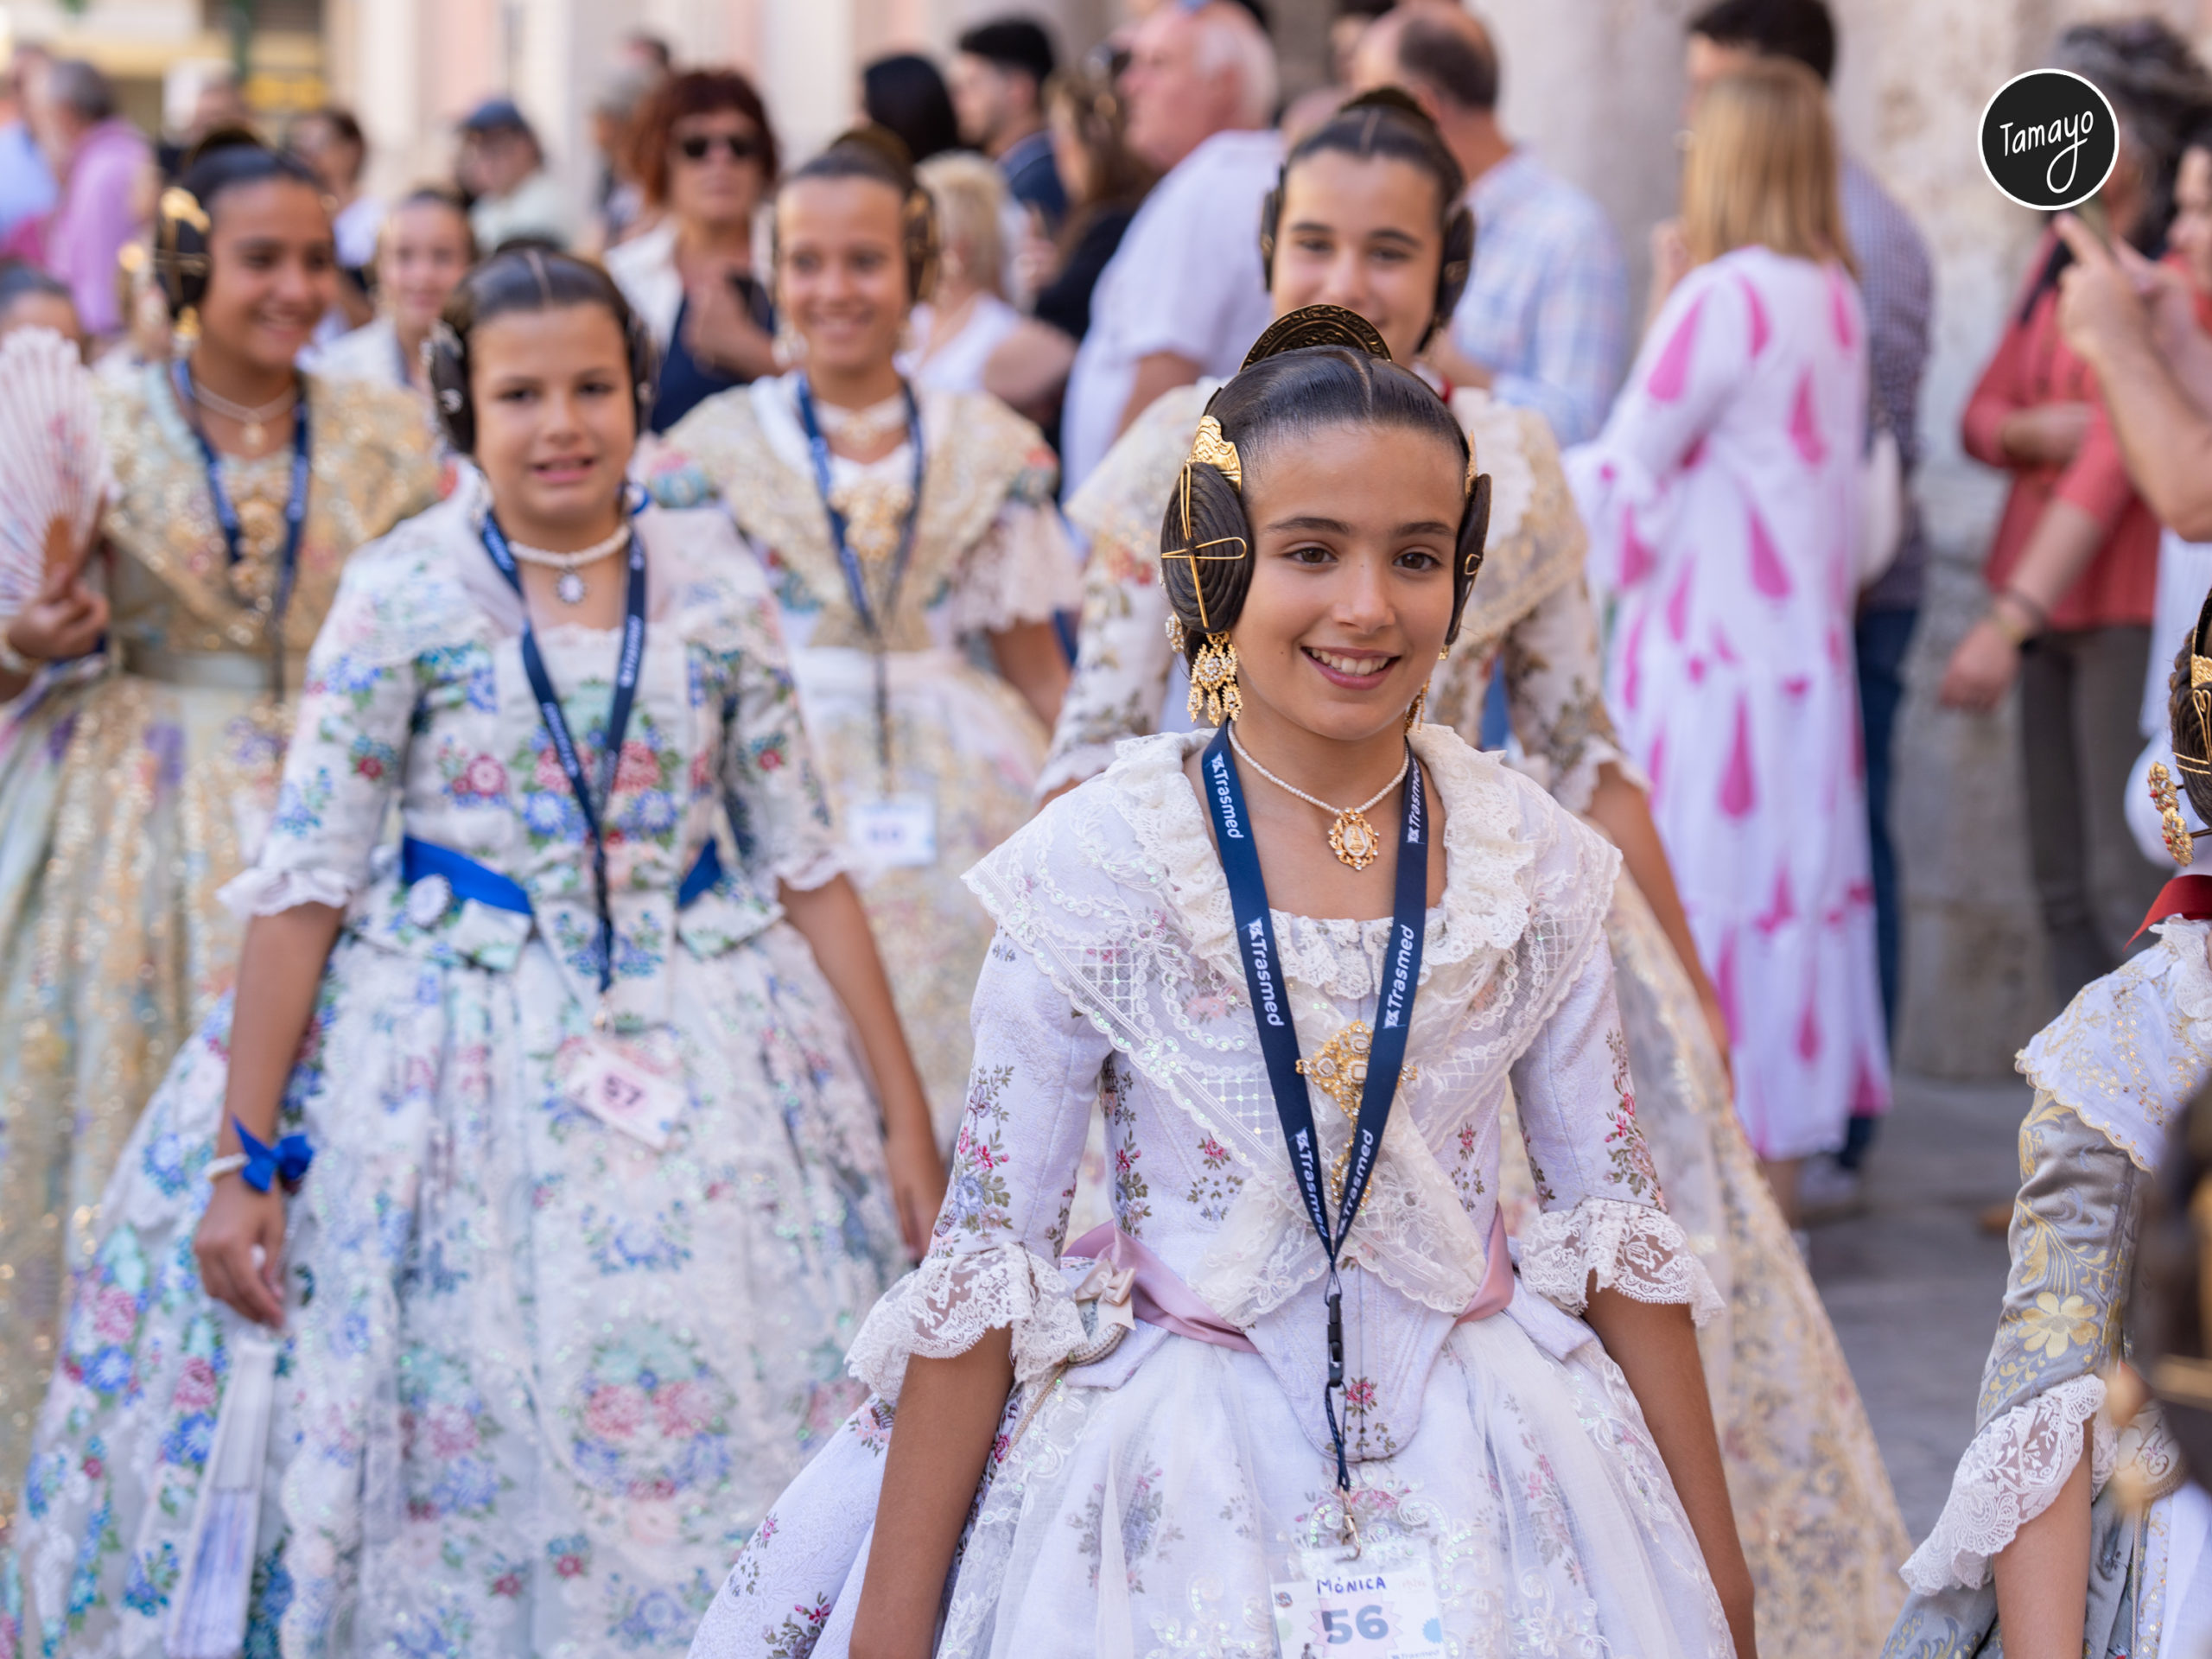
[(286, 1161)]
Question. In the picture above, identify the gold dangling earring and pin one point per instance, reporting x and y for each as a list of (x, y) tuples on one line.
[(1176, 640), (1214, 696), (1416, 709)]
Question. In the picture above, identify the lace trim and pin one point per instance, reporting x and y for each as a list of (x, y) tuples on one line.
[(1487, 905), (1022, 571), (1632, 1248), (2150, 1018), (261, 892), (2010, 1475), (944, 1306), (816, 868)]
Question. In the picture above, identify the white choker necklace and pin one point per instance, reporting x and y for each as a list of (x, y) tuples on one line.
[(571, 588)]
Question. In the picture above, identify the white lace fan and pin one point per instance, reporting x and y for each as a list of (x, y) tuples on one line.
[(53, 469)]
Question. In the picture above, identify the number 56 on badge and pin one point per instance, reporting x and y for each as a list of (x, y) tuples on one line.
[(1377, 1614)]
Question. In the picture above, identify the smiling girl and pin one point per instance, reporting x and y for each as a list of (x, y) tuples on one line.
[(598, 1190), (1200, 1410), (1365, 218), (422, 251), (909, 534), (134, 787)]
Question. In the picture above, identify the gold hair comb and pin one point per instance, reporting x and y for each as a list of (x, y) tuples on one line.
[(1211, 447), (180, 205)]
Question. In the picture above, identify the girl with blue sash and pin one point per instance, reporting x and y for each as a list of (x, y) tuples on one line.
[(1295, 1392), (543, 1152)]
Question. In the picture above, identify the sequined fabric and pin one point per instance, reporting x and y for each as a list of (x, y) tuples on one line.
[(126, 803)]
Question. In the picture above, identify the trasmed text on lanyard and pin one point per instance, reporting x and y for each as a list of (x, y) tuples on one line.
[(1256, 941), (627, 670), (226, 513), (855, 578)]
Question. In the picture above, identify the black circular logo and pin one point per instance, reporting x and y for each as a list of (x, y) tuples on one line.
[(2048, 139)]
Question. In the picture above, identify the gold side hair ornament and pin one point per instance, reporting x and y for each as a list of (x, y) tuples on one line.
[(2173, 830), (2200, 703), (1214, 696), (182, 205)]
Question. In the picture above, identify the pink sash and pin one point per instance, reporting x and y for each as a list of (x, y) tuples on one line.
[(1158, 1296)]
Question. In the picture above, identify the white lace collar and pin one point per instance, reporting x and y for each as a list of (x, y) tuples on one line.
[(2134, 1047), (1486, 904)]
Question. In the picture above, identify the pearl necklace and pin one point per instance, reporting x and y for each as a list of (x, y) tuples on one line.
[(1351, 837), (571, 586), (253, 423)]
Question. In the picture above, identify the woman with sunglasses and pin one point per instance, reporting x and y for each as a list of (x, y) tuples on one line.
[(1364, 218), (911, 535), (705, 158), (137, 785)]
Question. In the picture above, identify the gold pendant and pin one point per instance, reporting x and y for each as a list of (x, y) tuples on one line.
[(254, 435), (1353, 840), (1338, 1070)]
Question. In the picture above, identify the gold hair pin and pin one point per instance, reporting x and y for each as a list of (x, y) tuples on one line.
[(2172, 829), (1210, 447), (180, 205)]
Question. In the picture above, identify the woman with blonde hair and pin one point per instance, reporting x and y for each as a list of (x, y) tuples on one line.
[(1722, 499)]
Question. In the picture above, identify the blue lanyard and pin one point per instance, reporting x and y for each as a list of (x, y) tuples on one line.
[(855, 578), (627, 671), (226, 514), (1256, 942)]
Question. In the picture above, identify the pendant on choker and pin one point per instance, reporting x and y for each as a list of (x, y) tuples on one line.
[(571, 587)]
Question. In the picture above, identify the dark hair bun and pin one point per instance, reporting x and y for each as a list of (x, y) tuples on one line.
[(1321, 366), (2189, 712)]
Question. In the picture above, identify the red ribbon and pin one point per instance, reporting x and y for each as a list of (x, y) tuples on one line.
[(2188, 897)]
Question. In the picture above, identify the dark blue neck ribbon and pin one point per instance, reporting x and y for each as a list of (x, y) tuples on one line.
[(226, 512), (872, 624), (1386, 1060), (627, 670)]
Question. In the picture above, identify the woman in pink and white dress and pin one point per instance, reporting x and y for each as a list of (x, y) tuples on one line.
[(1722, 503)]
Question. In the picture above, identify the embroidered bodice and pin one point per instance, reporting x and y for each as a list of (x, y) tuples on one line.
[(988, 553), (1114, 982), (416, 690), (174, 589), (1528, 600)]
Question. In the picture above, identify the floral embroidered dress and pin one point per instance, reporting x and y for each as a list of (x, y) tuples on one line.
[(538, 1381), (2111, 1074), (1819, 1522), (1144, 1502), (988, 553), (130, 790), (1722, 501)]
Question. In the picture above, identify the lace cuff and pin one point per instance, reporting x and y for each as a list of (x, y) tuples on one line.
[(1635, 1248), (261, 892), (1023, 570), (816, 867), (2010, 1475), (944, 1307), (1077, 763)]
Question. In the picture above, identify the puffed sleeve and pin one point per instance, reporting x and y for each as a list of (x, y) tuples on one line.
[(2073, 1243), (1555, 694), (1603, 1221), (1023, 568), (778, 808), (993, 1258), (1696, 355), (349, 744)]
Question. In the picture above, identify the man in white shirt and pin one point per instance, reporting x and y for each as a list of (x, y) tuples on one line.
[(1184, 295)]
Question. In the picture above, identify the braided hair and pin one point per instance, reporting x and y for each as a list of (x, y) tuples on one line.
[(1322, 366)]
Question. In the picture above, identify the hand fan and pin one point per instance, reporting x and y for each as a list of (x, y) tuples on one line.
[(53, 470)]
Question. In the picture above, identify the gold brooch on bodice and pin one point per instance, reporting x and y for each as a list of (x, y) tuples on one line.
[(1338, 1070)]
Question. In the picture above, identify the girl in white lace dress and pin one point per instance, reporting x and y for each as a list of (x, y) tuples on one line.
[(915, 541), (2039, 1550), (1365, 217), (1159, 1490), (599, 1192)]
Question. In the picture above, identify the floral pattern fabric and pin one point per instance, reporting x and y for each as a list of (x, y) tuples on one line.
[(1143, 1502), (988, 553), (2124, 1057), (133, 787), (538, 1381)]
